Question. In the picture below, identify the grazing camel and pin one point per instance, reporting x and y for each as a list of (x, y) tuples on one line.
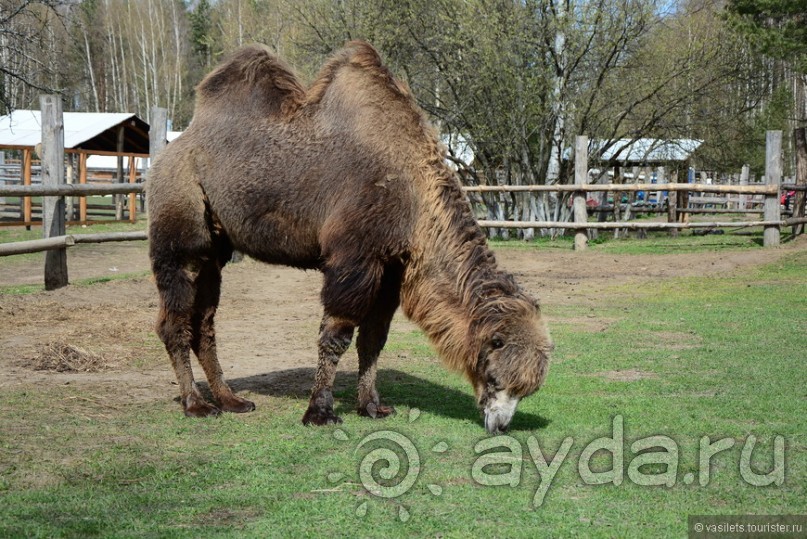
[(347, 177)]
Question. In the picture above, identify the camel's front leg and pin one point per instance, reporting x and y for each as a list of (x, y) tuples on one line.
[(334, 338), (373, 332)]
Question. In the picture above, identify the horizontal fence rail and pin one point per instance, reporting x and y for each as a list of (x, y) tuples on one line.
[(763, 189), (60, 242), (678, 217), (638, 225), (71, 189)]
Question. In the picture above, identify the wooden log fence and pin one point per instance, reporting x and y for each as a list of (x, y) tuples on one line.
[(53, 190), (771, 222)]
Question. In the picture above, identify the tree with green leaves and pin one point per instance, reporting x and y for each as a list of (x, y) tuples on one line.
[(777, 27)]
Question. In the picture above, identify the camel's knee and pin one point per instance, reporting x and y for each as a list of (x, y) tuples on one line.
[(335, 335), (173, 329)]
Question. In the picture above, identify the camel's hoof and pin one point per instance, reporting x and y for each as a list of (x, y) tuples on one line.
[(195, 407), (376, 411), (319, 417), (236, 405)]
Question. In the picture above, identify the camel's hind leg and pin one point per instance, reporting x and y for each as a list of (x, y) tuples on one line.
[(203, 337), (372, 337), (177, 288)]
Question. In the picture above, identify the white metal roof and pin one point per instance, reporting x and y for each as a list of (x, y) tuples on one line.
[(110, 162), (24, 127)]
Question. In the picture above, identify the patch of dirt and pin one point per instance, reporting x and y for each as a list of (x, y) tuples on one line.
[(568, 277), (587, 324), (269, 316), (674, 340)]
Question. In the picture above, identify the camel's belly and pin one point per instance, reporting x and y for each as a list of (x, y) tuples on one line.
[(277, 239)]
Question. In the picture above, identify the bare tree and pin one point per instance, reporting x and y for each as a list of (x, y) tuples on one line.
[(30, 33)]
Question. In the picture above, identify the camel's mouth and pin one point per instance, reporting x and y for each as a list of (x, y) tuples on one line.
[(499, 411)]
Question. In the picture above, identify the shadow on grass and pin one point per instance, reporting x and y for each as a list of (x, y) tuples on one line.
[(397, 388)]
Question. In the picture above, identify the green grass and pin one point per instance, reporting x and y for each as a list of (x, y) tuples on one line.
[(718, 356), (33, 288)]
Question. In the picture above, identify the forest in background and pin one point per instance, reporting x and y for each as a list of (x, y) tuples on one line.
[(517, 79)]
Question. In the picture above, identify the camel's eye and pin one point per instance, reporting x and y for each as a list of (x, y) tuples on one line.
[(497, 343)]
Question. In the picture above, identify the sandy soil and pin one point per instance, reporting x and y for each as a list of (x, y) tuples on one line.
[(269, 315)]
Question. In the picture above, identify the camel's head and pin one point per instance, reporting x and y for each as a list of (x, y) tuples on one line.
[(513, 347)]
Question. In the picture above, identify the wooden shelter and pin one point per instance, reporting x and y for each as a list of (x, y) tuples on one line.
[(123, 135)]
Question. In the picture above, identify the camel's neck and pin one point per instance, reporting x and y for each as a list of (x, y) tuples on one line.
[(449, 267)]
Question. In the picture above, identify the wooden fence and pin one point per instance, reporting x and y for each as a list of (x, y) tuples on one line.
[(771, 222), (28, 212), (53, 190)]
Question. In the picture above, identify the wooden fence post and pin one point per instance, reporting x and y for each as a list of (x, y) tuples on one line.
[(2, 182), (672, 206), (132, 196), (773, 176), (53, 175), (27, 162), (798, 203), (119, 199), (744, 173), (158, 133), (82, 179), (580, 178), (70, 178)]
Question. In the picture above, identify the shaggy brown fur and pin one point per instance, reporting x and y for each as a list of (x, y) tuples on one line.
[(347, 177)]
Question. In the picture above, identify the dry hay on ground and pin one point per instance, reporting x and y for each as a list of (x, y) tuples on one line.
[(63, 357)]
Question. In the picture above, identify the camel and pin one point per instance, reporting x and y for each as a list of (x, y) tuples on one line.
[(345, 176)]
